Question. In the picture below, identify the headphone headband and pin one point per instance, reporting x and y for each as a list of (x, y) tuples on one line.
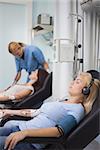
[(90, 84)]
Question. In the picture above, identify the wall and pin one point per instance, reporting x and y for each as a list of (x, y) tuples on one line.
[(42, 7), (91, 34), (13, 27)]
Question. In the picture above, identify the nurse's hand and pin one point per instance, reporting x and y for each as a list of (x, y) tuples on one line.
[(48, 70), (14, 82), (13, 139)]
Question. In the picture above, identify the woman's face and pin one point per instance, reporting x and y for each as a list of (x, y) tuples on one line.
[(34, 75), (76, 86), (16, 49)]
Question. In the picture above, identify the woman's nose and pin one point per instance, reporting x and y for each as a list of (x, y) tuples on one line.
[(72, 82)]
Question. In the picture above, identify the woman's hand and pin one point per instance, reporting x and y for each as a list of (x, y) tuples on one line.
[(13, 139), (4, 112)]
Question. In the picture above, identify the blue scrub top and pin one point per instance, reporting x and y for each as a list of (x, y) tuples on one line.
[(33, 59)]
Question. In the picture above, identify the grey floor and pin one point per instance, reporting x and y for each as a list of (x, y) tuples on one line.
[(94, 145)]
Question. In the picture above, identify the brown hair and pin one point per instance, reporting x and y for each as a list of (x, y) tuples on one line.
[(42, 74), (9, 45)]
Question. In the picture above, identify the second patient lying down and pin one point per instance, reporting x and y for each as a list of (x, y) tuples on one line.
[(19, 91)]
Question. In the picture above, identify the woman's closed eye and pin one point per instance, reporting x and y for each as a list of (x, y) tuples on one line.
[(78, 81)]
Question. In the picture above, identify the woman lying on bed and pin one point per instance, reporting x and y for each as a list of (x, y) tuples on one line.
[(46, 120), (19, 91)]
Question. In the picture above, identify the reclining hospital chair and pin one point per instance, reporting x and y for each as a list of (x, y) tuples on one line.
[(36, 99), (78, 136)]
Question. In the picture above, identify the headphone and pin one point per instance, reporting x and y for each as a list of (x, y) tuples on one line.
[(86, 90)]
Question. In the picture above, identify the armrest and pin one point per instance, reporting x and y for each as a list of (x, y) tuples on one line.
[(43, 140), (6, 102)]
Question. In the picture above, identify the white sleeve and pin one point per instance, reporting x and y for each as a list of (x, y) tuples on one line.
[(30, 88)]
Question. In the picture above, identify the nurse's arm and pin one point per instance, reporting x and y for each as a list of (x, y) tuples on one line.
[(17, 77)]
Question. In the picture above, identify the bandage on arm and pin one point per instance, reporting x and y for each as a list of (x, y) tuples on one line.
[(35, 112), (12, 97)]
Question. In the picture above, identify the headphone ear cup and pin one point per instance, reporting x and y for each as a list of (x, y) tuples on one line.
[(86, 91)]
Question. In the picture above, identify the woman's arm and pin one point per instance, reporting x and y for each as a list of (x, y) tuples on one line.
[(3, 98), (14, 138), (22, 94), (22, 112), (43, 132), (16, 96)]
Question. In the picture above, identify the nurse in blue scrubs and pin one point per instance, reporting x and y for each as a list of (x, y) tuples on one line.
[(27, 57)]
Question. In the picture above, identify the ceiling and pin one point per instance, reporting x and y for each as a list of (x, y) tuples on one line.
[(16, 1)]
